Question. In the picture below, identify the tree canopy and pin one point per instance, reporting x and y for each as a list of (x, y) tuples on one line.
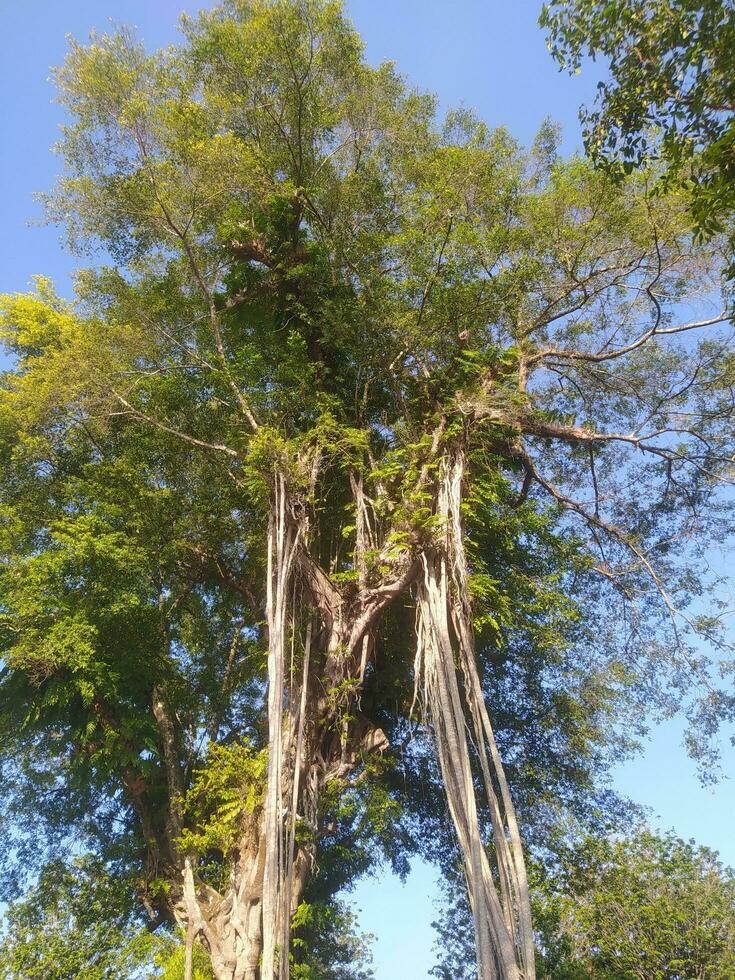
[(642, 906), (669, 95), (355, 507)]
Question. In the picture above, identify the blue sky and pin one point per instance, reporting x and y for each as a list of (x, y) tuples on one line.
[(488, 54)]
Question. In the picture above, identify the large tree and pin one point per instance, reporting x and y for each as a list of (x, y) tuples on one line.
[(641, 906), (361, 418)]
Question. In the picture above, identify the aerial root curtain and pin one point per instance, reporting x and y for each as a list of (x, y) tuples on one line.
[(499, 899), (502, 916), (278, 871)]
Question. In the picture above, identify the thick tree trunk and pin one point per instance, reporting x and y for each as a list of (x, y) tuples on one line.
[(230, 925)]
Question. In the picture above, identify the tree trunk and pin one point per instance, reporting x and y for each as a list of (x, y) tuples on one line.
[(316, 735), (230, 925)]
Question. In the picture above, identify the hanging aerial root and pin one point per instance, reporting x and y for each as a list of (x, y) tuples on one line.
[(282, 541), (288, 787), (296, 732), (503, 932)]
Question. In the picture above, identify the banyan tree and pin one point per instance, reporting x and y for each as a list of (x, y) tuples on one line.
[(348, 392)]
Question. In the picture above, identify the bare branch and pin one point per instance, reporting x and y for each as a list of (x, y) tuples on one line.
[(654, 331)]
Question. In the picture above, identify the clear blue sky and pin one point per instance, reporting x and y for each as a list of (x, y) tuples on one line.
[(488, 54)]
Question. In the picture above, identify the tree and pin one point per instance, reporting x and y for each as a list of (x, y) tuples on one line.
[(670, 95), (77, 922), (375, 419), (645, 906), (83, 920)]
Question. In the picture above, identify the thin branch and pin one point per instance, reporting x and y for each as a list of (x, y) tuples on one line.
[(654, 331), (192, 440), (568, 503)]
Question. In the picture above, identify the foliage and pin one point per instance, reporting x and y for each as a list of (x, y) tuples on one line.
[(82, 920), (77, 921), (326, 945), (169, 959), (455, 939), (670, 93), (224, 792), (645, 906)]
